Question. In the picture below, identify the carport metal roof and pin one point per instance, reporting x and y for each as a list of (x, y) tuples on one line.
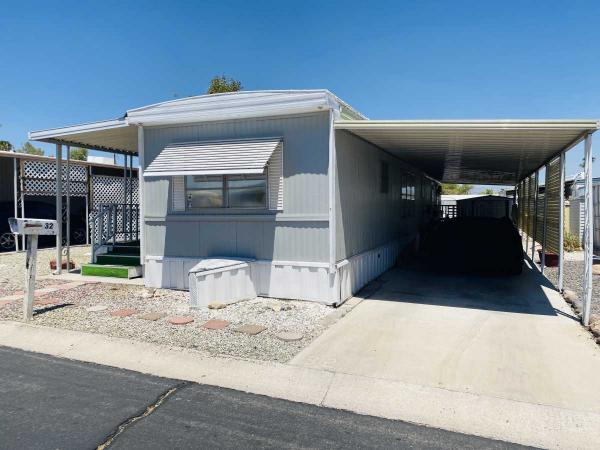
[(473, 151)]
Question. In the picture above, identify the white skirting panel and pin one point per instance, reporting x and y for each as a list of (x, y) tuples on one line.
[(292, 281), (279, 279), (289, 279), (358, 270)]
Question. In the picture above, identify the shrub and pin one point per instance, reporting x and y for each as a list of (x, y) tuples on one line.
[(571, 242)]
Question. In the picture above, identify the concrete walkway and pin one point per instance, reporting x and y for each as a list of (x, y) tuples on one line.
[(495, 358)]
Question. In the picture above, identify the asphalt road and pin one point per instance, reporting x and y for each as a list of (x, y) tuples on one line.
[(52, 403)]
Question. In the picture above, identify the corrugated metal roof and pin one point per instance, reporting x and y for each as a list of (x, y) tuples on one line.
[(477, 152), (240, 156)]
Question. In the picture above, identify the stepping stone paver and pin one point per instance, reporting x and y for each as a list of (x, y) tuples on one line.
[(152, 316), (289, 336), (97, 308), (123, 312), (181, 320), (251, 329), (216, 305), (215, 324)]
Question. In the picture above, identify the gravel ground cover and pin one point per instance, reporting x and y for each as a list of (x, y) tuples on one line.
[(307, 318), (12, 268), (573, 278)]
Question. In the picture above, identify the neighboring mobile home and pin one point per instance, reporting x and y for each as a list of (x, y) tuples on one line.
[(249, 175)]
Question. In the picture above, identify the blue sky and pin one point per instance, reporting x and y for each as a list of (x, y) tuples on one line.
[(73, 62)]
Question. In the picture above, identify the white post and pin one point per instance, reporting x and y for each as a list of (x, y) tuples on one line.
[(332, 175), (535, 205), (68, 192), (16, 197), (130, 198), (527, 227), (30, 262), (561, 222), (545, 221), (58, 209), (124, 222), (589, 232), (141, 194), (22, 186)]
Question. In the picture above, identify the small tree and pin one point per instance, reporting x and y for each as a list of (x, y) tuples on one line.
[(31, 149), (79, 154), (456, 189), (488, 191), (6, 146), (220, 84)]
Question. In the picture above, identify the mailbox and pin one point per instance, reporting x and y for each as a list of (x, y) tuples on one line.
[(33, 226)]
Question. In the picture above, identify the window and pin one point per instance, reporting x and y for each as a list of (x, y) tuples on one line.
[(246, 191), (204, 191), (385, 178), (226, 191)]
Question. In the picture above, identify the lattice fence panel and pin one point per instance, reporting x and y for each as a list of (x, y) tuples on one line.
[(109, 190), (39, 178)]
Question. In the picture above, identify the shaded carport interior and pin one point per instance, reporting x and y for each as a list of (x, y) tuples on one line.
[(491, 152)]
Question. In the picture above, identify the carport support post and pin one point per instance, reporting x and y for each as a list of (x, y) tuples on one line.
[(141, 195), (589, 232), (58, 209), (535, 205), (16, 197), (561, 222), (545, 222), (68, 192)]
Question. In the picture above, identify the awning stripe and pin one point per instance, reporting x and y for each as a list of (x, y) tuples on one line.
[(239, 156)]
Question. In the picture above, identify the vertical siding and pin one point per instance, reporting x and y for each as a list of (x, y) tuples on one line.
[(296, 233), (305, 153), (236, 237), (366, 217)]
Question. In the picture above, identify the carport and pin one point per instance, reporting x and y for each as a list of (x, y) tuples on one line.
[(499, 152)]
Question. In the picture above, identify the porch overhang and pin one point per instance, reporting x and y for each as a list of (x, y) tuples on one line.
[(500, 152), (114, 136)]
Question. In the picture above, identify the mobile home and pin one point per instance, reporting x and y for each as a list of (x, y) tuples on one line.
[(297, 191)]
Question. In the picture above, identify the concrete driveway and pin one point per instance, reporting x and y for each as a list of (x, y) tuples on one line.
[(511, 338)]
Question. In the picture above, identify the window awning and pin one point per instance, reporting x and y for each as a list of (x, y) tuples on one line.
[(239, 156)]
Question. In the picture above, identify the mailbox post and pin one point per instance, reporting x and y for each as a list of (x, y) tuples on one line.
[(31, 228)]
